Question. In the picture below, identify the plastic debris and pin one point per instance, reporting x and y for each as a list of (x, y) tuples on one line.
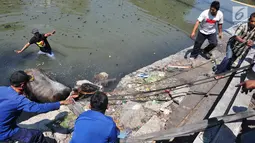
[(123, 134), (179, 66), (143, 75)]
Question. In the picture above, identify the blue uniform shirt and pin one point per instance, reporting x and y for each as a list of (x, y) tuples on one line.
[(94, 127), (11, 106)]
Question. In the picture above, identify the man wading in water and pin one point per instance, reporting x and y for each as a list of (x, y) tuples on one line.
[(41, 41)]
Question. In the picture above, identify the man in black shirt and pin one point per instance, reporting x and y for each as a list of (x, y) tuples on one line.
[(41, 41)]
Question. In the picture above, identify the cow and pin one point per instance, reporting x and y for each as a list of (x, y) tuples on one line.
[(44, 89)]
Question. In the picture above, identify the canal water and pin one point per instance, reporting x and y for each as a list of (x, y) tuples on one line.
[(92, 36)]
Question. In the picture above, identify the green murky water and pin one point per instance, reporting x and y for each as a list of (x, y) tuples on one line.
[(172, 12), (252, 2), (115, 36)]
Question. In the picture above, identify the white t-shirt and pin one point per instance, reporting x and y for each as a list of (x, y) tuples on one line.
[(208, 22)]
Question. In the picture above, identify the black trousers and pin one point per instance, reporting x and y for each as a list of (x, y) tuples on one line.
[(212, 39), (29, 136)]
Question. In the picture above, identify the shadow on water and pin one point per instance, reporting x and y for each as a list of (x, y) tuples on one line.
[(10, 62)]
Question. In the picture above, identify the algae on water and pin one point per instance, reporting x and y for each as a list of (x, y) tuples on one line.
[(251, 2), (171, 11), (11, 26)]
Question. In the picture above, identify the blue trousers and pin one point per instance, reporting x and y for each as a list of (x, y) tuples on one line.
[(28, 136), (226, 63)]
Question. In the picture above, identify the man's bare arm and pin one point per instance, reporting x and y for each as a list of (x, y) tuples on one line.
[(238, 38), (19, 51), (50, 33), (194, 29), (220, 30)]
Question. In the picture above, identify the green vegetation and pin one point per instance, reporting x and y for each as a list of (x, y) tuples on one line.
[(251, 2), (171, 11), (11, 26), (78, 7), (68, 121), (9, 6)]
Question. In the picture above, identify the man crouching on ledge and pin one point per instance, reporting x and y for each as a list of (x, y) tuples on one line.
[(94, 126), (13, 102)]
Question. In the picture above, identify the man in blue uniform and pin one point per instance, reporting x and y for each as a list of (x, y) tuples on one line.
[(93, 126), (13, 102)]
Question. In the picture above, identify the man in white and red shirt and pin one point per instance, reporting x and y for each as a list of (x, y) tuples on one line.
[(207, 20)]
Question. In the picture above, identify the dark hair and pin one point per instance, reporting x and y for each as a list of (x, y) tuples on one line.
[(216, 5), (252, 15), (37, 35), (19, 77), (99, 102)]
